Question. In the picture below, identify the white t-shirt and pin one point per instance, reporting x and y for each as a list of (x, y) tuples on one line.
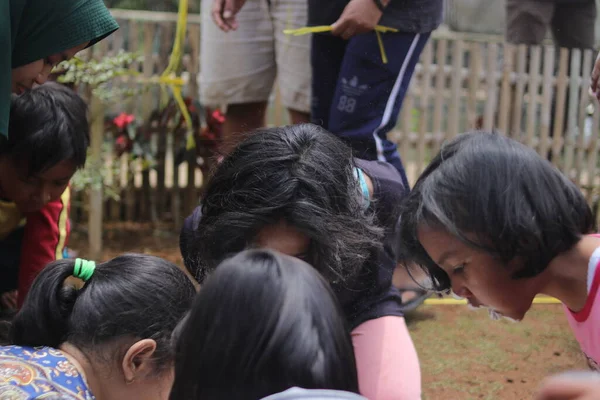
[(314, 394)]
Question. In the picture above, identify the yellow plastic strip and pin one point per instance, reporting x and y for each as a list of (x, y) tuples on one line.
[(328, 28), (379, 29), (381, 48), (449, 301), (168, 77)]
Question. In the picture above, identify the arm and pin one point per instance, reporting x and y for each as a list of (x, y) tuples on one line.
[(44, 240), (570, 386), (359, 16)]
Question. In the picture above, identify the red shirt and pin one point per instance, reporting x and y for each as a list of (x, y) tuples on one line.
[(44, 240)]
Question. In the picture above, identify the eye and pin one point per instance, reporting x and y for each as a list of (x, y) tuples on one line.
[(28, 180), (459, 269), (61, 183)]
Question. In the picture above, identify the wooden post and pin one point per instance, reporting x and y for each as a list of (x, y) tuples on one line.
[(492, 87), (533, 90), (95, 200)]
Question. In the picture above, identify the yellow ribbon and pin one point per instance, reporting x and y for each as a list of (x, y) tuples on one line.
[(379, 29), (450, 301), (169, 76)]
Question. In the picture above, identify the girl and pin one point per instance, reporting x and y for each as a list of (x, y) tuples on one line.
[(35, 35), (495, 223), (298, 190), (111, 339), (262, 323)]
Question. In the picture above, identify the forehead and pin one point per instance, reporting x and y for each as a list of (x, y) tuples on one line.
[(64, 169), (282, 237), (441, 245)]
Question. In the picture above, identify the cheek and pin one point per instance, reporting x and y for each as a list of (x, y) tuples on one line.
[(27, 73), (493, 285), (57, 191)]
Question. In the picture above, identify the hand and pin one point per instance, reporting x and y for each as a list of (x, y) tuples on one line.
[(571, 386), (224, 11), (359, 16), (8, 300), (595, 85)]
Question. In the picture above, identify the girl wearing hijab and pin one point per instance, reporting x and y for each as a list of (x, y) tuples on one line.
[(35, 35)]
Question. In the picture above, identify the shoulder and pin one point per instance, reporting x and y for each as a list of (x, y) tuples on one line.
[(387, 182)]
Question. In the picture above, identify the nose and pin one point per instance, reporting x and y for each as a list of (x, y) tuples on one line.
[(462, 291), (43, 195)]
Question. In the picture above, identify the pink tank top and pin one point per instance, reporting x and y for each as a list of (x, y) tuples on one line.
[(586, 323)]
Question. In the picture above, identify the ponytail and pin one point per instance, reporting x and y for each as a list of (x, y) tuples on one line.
[(113, 303), (44, 318)]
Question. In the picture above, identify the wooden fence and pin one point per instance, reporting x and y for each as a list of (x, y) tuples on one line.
[(538, 95)]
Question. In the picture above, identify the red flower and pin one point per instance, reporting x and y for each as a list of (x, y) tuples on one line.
[(218, 116), (123, 119)]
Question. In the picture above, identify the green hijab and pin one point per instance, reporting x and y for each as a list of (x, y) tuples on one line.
[(32, 30)]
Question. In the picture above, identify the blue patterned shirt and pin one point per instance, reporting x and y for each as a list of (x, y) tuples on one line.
[(35, 373)]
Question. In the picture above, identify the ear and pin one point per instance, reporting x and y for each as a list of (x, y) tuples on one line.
[(138, 362)]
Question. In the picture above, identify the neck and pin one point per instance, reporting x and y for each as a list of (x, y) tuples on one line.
[(566, 275), (85, 368)]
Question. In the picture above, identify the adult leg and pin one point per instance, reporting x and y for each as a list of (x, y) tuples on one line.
[(239, 120), (386, 360), (238, 68), (573, 24), (369, 93), (528, 20), (327, 55), (573, 27), (292, 54)]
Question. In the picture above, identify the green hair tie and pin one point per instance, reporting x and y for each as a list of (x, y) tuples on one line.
[(83, 269)]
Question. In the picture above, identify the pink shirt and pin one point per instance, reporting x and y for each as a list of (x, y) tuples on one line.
[(586, 323)]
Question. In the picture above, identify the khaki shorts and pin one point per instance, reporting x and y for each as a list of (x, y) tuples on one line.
[(240, 66), (571, 22)]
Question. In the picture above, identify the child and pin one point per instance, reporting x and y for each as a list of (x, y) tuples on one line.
[(48, 141), (262, 323), (298, 190), (111, 339), (497, 224)]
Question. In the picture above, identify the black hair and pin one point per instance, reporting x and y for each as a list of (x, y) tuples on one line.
[(497, 195), (263, 322), (48, 124), (130, 297), (301, 174)]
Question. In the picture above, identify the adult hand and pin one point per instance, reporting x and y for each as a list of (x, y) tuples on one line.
[(359, 16), (571, 386), (595, 86), (224, 12)]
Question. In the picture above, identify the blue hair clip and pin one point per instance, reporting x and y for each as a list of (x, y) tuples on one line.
[(362, 181)]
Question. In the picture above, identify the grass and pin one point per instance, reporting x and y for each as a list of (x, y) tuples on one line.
[(465, 355)]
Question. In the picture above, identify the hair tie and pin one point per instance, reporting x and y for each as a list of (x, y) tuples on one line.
[(83, 269), (362, 181)]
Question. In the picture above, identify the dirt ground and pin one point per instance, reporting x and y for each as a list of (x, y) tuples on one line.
[(464, 355)]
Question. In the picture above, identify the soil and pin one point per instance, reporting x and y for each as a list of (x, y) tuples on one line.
[(464, 355)]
